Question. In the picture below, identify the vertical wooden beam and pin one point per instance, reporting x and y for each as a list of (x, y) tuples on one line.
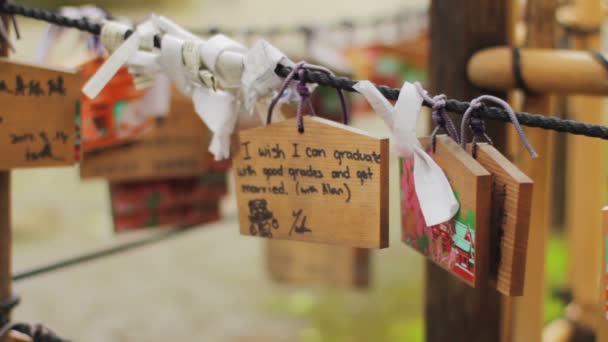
[(526, 318), (585, 183), (454, 311), (5, 214), (602, 317)]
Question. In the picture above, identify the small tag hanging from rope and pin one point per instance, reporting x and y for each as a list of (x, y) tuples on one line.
[(114, 117), (306, 264), (39, 116), (511, 203), (445, 192), (312, 179), (176, 147), (459, 245), (170, 202)]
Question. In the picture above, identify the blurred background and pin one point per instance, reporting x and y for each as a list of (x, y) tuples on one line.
[(210, 283)]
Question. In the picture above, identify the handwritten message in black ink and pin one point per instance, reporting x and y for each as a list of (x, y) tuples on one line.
[(23, 86), (324, 185), (38, 117), (306, 179)]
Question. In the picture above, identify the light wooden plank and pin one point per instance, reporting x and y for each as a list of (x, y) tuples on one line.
[(328, 184), (307, 264), (38, 119), (177, 147), (510, 222)]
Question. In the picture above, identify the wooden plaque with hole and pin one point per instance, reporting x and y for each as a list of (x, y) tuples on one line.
[(307, 264), (328, 184), (176, 147), (39, 114), (510, 220), (461, 245)]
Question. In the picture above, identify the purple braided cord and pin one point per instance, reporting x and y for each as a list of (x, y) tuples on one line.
[(478, 126), (439, 115), (300, 70)]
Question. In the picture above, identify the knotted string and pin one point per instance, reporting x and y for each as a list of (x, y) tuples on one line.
[(477, 125), (300, 70), (440, 117), (4, 32)]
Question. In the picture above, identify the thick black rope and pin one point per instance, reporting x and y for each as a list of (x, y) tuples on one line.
[(454, 106), (6, 307), (520, 83), (37, 332), (459, 107), (50, 17)]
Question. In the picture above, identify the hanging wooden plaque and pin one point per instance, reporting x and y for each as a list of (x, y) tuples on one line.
[(510, 220), (461, 245), (327, 185), (308, 264), (176, 147), (38, 117)]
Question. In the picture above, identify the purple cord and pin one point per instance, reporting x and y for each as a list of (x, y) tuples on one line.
[(300, 70), (439, 115), (479, 128)]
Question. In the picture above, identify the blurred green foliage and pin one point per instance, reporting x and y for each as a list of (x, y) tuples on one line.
[(556, 275), (390, 311)]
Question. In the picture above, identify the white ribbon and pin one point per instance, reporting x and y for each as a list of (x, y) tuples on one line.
[(436, 197), (212, 49), (217, 108), (259, 78), (112, 36)]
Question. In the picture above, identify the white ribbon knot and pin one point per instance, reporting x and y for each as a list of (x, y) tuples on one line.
[(437, 201)]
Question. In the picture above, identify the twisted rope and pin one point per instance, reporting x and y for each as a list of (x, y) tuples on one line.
[(460, 107), (454, 106)]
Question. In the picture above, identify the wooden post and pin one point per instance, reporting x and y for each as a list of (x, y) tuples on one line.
[(602, 317), (544, 70), (455, 311), (527, 312), (5, 214), (585, 180)]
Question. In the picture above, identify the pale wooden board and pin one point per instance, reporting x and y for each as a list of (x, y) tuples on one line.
[(176, 147), (15, 336), (348, 213), (310, 264), (510, 220), (472, 184), (602, 320), (37, 123)]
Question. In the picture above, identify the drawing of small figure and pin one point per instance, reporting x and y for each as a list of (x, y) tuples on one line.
[(261, 219)]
